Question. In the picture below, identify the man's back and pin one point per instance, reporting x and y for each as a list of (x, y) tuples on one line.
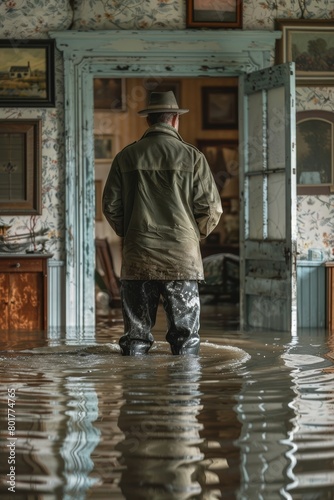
[(166, 186)]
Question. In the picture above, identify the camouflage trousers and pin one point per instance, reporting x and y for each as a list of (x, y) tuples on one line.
[(140, 301)]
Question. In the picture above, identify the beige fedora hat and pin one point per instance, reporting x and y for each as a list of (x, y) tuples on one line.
[(162, 102)]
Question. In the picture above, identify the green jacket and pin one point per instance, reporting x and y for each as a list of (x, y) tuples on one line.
[(161, 197)]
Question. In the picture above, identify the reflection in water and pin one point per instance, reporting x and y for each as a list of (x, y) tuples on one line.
[(251, 418), (81, 437), (160, 453), (312, 441)]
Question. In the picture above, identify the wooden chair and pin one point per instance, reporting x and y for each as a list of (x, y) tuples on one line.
[(104, 271)]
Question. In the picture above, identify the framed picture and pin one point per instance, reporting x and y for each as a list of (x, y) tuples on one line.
[(27, 74), (104, 147), (219, 107), (98, 200), (310, 45), (214, 13), (163, 85), (223, 158), (315, 155), (20, 170), (109, 94)]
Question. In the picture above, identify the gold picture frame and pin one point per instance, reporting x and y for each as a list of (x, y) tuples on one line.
[(309, 44)]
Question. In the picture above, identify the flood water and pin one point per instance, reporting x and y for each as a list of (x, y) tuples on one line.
[(251, 418)]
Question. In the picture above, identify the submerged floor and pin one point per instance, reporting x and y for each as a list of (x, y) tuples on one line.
[(251, 418)]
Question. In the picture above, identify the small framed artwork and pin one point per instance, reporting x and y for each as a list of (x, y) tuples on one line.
[(219, 107), (20, 167), (109, 94), (315, 155), (214, 13), (310, 45), (98, 200), (104, 146), (223, 158), (27, 73)]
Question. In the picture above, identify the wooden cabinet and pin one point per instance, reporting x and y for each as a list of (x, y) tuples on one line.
[(23, 291)]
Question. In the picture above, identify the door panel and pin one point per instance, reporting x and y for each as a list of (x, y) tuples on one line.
[(268, 199)]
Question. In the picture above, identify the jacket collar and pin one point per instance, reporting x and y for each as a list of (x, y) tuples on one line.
[(162, 128)]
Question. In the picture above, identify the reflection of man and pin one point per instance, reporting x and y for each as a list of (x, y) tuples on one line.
[(160, 453), (161, 197)]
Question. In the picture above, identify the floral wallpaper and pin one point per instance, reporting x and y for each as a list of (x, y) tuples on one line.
[(261, 14), (33, 19), (132, 14)]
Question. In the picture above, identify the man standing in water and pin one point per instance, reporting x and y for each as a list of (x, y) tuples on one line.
[(161, 198)]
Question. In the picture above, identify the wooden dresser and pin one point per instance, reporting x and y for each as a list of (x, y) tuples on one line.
[(23, 291)]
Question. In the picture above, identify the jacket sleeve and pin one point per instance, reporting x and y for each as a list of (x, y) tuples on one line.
[(206, 200), (112, 204)]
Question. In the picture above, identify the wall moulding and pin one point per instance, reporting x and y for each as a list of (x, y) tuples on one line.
[(124, 54)]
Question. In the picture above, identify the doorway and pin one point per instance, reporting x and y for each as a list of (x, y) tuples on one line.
[(211, 126), (123, 54)]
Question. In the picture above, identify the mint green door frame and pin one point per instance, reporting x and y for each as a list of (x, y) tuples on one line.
[(125, 54)]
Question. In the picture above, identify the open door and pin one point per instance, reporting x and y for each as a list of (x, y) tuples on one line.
[(268, 226)]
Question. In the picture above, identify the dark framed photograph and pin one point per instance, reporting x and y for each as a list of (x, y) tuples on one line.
[(310, 45), (27, 73), (109, 94), (223, 158), (315, 155), (104, 147), (219, 107), (20, 172), (214, 13)]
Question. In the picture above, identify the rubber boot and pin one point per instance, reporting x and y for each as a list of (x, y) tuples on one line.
[(189, 347), (136, 348)]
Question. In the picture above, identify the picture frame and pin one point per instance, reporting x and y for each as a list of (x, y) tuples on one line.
[(21, 159), (222, 157), (27, 73), (109, 94), (214, 14), (315, 152), (219, 108), (309, 44), (104, 147)]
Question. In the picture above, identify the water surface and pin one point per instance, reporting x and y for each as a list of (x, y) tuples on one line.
[(251, 418)]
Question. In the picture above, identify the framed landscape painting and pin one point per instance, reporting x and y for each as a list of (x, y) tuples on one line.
[(27, 73), (310, 45)]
